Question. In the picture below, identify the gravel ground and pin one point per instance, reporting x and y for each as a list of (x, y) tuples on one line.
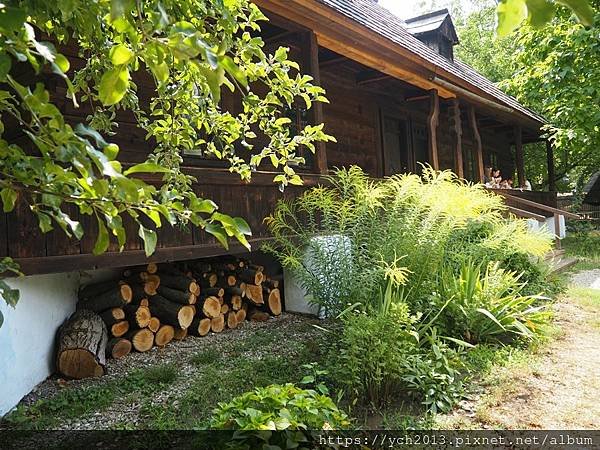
[(587, 279), (127, 409)]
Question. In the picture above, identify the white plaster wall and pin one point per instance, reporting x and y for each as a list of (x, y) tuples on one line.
[(28, 335)]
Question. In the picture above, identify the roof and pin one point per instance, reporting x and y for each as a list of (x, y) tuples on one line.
[(381, 21), (430, 22)]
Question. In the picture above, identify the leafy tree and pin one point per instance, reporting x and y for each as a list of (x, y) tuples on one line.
[(191, 50), (559, 76)]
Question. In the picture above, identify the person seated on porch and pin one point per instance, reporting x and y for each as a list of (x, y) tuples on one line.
[(496, 179), (527, 186), (487, 176)]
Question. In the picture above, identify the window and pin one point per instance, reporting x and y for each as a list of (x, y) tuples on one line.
[(395, 145)]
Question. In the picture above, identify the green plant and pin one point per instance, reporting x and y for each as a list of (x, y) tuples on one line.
[(206, 357), (489, 306), (279, 407)]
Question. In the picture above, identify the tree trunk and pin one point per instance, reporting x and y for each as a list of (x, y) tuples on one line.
[(240, 316), (217, 324), (181, 333), (179, 282), (119, 329), (170, 313), (256, 315), (118, 348), (138, 316), (214, 292), (164, 335), (112, 316), (154, 324), (232, 321), (273, 304), (200, 326), (211, 307), (141, 340), (117, 297), (82, 343), (251, 276), (94, 290), (254, 293), (176, 296)]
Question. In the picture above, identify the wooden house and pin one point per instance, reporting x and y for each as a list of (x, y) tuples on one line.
[(398, 98)]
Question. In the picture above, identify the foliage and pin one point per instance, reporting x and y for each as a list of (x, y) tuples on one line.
[(279, 407), (402, 224), (583, 244), (189, 50), (511, 13), (488, 306), (558, 76)]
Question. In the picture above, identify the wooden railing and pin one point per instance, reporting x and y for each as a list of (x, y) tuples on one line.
[(523, 207)]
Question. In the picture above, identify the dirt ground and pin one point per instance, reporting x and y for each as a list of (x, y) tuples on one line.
[(560, 387)]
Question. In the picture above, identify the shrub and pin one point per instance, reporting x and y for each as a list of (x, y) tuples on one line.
[(279, 407), (489, 306), (340, 240)]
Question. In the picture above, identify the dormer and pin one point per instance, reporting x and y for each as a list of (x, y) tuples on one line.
[(436, 30)]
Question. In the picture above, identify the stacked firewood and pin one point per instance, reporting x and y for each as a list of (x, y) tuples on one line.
[(154, 304)]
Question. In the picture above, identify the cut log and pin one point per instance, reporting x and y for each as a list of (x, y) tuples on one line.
[(273, 304), (256, 267), (152, 268), (227, 280), (232, 321), (118, 348), (234, 290), (254, 293), (214, 292), (117, 297), (179, 282), (113, 315), (235, 301), (200, 326), (251, 276), (240, 316), (144, 302), (118, 329), (170, 313), (217, 324), (138, 316), (211, 307), (164, 335), (95, 289), (82, 341), (271, 283), (181, 333), (224, 308), (154, 324), (141, 340), (176, 296), (256, 315)]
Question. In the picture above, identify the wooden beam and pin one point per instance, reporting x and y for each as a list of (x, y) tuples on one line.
[(478, 145), (519, 158), (417, 98), (370, 76), (332, 62), (551, 169), (311, 57), (432, 124), (457, 134)]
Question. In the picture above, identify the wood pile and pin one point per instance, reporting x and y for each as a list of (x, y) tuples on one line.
[(155, 304)]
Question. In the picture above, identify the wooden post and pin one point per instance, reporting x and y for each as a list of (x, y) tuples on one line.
[(432, 124), (311, 52), (551, 171), (458, 155), (478, 145), (519, 156)]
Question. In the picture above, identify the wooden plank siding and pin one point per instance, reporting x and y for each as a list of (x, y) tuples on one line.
[(358, 102)]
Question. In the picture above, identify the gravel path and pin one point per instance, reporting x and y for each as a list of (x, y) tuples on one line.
[(587, 279)]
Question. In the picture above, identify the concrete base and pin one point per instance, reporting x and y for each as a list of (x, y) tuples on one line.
[(28, 335)]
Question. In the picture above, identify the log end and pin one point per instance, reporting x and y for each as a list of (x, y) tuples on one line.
[(79, 363)]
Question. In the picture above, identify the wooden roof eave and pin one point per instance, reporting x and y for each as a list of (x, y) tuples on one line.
[(355, 41)]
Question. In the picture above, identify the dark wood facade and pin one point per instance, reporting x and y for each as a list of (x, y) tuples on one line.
[(382, 123)]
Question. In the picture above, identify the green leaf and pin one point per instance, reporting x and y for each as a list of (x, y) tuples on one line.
[(44, 222), (147, 167), (242, 226), (113, 86), (9, 198), (233, 69), (5, 65), (510, 15), (150, 238), (582, 9), (539, 12), (219, 232), (120, 55), (12, 19), (62, 62), (120, 8), (202, 206), (102, 240)]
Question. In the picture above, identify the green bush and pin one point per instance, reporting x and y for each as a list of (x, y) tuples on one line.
[(372, 225), (279, 407), (488, 306), (583, 244)]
